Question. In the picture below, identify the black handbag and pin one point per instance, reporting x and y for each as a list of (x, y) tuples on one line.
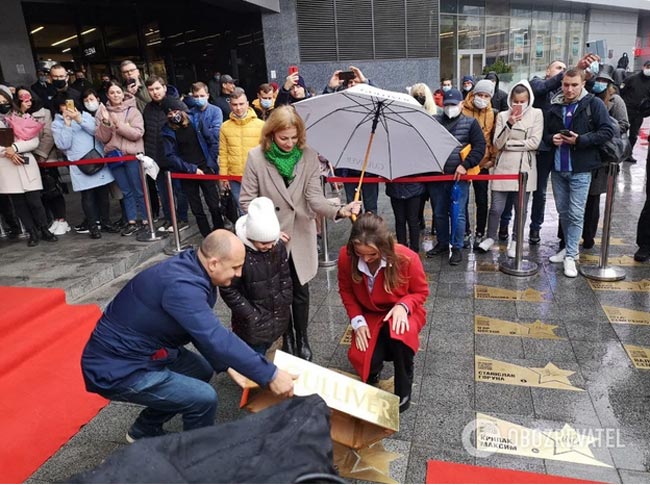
[(91, 168), (229, 207)]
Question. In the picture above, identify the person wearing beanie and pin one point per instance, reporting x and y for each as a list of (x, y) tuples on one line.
[(293, 90), (260, 300), (500, 97), (468, 85), (478, 105)]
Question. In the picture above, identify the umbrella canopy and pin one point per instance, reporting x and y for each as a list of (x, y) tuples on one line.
[(407, 139)]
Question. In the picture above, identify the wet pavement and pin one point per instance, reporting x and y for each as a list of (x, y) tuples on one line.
[(611, 403)]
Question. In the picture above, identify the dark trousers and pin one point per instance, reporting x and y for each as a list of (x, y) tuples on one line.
[(369, 195), (544, 166), (481, 200), (643, 227), (54, 207), (401, 355), (636, 120), (407, 212), (7, 213), (95, 204), (29, 209), (592, 214), (300, 303), (153, 197), (193, 189)]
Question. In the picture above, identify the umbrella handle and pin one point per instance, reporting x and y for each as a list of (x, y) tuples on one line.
[(357, 194)]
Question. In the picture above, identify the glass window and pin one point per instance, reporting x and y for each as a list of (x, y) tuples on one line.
[(471, 31), (559, 40), (541, 47), (521, 10), (497, 7), (448, 6), (577, 42), (497, 34), (472, 7), (448, 39), (519, 58)]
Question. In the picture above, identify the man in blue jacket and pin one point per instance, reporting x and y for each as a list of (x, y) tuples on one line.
[(575, 125), (136, 352)]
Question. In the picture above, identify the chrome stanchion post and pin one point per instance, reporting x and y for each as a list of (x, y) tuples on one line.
[(23, 232), (176, 247), (520, 266), (3, 233), (604, 272), (152, 234), (326, 260)]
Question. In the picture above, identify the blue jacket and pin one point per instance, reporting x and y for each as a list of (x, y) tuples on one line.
[(593, 132), (160, 310), (465, 130), (207, 124)]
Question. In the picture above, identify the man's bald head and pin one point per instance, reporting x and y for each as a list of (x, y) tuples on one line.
[(222, 256)]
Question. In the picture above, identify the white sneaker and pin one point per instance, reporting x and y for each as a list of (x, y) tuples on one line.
[(570, 269), (53, 227), (61, 228), (558, 257), (512, 249), (486, 244), (65, 225)]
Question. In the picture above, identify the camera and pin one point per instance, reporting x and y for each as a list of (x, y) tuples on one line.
[(346, 77)]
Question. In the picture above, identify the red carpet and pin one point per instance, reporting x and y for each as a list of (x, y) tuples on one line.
[(43, 401), (447, 472)]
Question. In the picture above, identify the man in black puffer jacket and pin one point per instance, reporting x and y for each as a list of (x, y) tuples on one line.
[(154, 119), (468, 132), (500, 97)]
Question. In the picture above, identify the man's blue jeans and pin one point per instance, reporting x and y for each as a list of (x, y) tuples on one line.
[(179, 196), (182, 387), (570, 191), (235, 190), (440, 194)]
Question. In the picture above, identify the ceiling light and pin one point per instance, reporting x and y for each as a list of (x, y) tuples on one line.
[(58, 42), (37, 29), (66, 50)]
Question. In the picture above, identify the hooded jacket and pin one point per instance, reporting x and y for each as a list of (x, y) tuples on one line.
[(635, 90), (593, 132), (517, 145), (500, 98), (485, 118), (236, 138), (127, 134), (154, 121)]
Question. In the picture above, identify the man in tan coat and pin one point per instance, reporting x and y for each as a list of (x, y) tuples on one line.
[(237, 136)]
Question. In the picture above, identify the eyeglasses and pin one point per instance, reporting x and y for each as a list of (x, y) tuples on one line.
[(129, 71)]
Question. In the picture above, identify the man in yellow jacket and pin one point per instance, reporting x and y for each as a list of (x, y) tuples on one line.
[(237, 136)]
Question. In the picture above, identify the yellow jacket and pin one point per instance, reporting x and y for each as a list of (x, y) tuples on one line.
[(236, 138)]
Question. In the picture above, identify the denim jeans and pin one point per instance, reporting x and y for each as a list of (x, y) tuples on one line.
[(570, 191), (130, 183), (440, 194), (544, 167), (179, 196), (499, 201), (182, 387), (235, 190)]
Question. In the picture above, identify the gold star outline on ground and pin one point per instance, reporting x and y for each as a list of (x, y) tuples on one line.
[(552, 373), (540, 329), (568, 440)]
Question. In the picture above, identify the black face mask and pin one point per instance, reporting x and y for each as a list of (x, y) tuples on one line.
[(5, 108), (59, 83), (420, 99), (177, 119)]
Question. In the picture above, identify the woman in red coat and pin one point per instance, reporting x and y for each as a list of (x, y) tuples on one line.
[(383, 288)]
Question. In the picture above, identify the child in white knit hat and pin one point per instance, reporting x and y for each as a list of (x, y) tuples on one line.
[(260, 300)]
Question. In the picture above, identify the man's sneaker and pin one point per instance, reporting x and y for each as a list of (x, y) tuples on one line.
[(81, 228), (182, 225), (404, 403), (53, 227), (630, 160), (466, 241), (133, 435), (570, 269), (486, 244), (95, 232), (62, 228), (533, 237), (643, 254), (130, 229), (456, 257), (503, 234), (512, 249), (110, 228), (558, 257), (438, 249), (588, 243)]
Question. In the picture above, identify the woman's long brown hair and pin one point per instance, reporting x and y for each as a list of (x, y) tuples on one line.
[(371, 230)]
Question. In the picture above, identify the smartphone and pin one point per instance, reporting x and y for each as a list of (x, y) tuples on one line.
[(516, 110), (293, 70), (131, 81), (565, 132), (346, 76), (69, 104)]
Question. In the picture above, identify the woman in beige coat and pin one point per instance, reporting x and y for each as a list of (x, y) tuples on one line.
[(517, 135), (21, 179), (284, 169)]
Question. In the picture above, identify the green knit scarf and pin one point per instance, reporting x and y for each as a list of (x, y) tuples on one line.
[(285, 162)]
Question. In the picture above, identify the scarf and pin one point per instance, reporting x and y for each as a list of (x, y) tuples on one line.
[(285, 162)]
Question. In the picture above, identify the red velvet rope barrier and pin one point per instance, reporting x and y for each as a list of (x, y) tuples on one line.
[(88, 161), (370, 180)]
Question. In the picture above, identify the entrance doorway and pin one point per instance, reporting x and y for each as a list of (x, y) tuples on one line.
[(470, 62)]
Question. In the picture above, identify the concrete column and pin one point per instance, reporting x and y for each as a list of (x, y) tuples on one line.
[(16, 57)]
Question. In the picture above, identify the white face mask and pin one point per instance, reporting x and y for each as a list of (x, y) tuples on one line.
[(92, 106), (646, 72), (481, 103), (452, 111)]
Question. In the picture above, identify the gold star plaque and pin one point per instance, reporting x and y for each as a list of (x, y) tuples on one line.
[(370, 464), (498, 372), (640, 356), (499, 436), (482, 292), (494, 326), (626, 316), (613, 260), (641, 285)]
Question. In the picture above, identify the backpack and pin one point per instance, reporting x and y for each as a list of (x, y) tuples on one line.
[(616, 149)]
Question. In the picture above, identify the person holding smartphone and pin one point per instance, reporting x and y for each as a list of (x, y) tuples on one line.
[(294, 88), (341, 80)]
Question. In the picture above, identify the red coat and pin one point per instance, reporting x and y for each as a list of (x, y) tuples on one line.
[(374, 307)]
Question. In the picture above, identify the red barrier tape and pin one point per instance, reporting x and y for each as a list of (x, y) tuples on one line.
[(370, 180), (88, 161)]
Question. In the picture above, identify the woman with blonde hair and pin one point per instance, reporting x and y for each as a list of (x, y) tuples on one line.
[(383, 287), (423, 95), (287, 171)]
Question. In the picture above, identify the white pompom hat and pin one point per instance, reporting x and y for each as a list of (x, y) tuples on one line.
[(260, 224)]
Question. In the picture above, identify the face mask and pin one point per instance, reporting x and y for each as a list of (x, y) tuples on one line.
[(5, 108), (266, 103), (446, 88), (201, 102), (59, 83), (177, 119), (42, 79), (599, 87), (467, 88), (594, 67), (420, 99), (646, 72), (452, 111), (481, 103), (92, 106)]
